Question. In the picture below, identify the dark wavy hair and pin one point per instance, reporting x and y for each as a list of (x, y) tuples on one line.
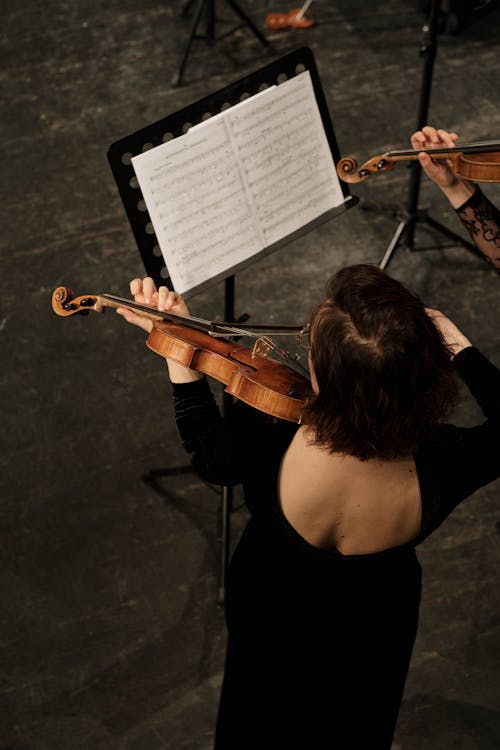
[(384, 372)]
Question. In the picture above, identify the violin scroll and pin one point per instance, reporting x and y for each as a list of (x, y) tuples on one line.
[(65, 303), (347, 168)]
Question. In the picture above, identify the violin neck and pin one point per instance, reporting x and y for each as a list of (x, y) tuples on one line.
[(207, 326), (466, 148), (110, 300)]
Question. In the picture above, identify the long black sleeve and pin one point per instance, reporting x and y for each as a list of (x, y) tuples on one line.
[(227, 449), (460, 460), (196, 414), (482, 379), (204, 433)]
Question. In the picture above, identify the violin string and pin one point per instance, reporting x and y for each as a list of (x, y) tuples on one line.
[(255, 330), (211, 327), (287, 357), (284, 354)]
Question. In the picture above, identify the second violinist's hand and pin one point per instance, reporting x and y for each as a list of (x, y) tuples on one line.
[(145, 293), (440, 171)]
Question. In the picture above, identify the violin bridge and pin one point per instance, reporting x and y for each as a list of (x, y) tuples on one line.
[(262, 347)]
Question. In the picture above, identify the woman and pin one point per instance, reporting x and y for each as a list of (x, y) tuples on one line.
[(323, 588), (477, 213)]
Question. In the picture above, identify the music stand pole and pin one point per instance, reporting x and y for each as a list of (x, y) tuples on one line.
[(226, 496), (406, 229)]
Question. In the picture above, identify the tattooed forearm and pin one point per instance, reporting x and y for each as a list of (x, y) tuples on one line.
[(482, 220)]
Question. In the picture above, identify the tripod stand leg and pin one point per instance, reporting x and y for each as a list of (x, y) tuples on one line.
[(262, 39), (393, 245), (177, 78)]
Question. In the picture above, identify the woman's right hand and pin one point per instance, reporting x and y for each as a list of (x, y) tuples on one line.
[(452, 335)]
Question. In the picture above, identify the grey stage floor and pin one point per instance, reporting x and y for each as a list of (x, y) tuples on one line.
[(112, 637)]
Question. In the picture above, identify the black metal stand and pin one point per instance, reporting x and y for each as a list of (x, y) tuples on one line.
[(405, 233), (208, 6), (226, 496), (120, 155)]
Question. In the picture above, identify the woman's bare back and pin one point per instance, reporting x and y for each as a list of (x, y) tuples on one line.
[(358, 507)]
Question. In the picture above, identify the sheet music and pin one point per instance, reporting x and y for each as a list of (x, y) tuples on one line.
[(238, 182)]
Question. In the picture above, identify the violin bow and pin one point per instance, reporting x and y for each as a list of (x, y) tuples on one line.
[(302, 11)]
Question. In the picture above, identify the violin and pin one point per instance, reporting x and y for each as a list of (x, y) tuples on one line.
[(479, 162), (294, 18), (248, 374)]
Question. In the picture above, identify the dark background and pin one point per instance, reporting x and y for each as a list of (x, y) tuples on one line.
[(112, 638)]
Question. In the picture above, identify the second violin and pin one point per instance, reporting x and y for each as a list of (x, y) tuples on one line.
[(479, 162)]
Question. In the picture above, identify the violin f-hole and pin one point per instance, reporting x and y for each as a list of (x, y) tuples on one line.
[(246, 367)]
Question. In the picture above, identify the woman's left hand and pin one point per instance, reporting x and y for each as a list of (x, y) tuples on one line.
[(145, 293)]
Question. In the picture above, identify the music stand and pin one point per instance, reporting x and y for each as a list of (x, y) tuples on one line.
[(405, 232), (208, 6), (275, 76)]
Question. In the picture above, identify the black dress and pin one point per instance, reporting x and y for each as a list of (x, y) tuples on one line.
[(319, 643)]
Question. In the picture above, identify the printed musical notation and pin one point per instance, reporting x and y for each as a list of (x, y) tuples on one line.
[(239, 182)]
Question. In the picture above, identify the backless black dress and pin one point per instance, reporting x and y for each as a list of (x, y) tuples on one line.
[(319, 643)]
